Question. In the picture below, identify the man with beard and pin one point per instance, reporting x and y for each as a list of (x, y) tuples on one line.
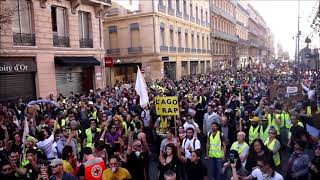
[(6, 171), (254, 129)]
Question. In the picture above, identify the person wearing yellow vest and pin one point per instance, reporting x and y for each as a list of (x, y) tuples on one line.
[(254, 129), (215, 150), (92, 168), (285, 125), (296, 130), (264, 129), (92, 134), (162, 125), (273, 119), (274, 146), (241, 147)]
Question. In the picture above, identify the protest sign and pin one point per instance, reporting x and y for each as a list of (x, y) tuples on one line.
[(167, 106)]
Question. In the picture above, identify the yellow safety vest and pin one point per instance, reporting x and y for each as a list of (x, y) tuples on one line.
[(94, 114), (215, 146), (270, 145), (272, 122), (285, 119), (309, 112), (163, 126), (253, 133), (239, 147), (89, 142), (264, 134)]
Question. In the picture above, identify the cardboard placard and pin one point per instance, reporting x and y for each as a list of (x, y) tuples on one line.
[(167, 106)]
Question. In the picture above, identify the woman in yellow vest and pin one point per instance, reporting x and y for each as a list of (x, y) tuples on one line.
[(254, 129), (273, 145)]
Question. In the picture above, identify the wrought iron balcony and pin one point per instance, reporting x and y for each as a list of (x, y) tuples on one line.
[(194, 50), (61, 41), (24, 39), (162, 8), (133, 50), (103, 2), (171, 11), (180, 49), (86, 43), (209, 51), (187, 49), (179, 14), (173, 49), (225, 36), (204, 51), (222, 13), (164, 48), (186, 17), (198, 50), (243, 41), (113, 51)]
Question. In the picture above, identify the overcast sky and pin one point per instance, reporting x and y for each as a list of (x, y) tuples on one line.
[(282, 17)]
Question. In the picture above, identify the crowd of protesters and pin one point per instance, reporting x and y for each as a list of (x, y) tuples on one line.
[(228, 128)]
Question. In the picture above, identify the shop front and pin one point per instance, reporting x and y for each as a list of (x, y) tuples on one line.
[(75, 74), (17, 78), (125, 72)]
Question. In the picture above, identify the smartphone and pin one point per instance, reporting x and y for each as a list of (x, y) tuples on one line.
[(231, 157)]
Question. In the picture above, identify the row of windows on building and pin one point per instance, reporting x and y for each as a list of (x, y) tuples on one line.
[(223, 25), (222, 48), (24, 34), (191, 39), (195, 15), (225, 5)]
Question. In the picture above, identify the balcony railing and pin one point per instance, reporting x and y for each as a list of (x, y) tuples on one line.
[(204, 51), (194, 50), (133, 50), (199, 50), (61, 41), (171, 11), (243, 41), (113, 51), (162, 8), (179, 14), (164, 48), (24, 39), (180, 49), (173, 49), (86, 43), (225, 36), (222, 13), (104, 2), (187, 49), (186, 17), (208, 51)]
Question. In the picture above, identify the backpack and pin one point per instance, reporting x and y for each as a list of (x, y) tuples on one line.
[(193, 143)]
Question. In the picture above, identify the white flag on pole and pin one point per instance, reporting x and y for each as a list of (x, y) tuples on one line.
[(141, 89)]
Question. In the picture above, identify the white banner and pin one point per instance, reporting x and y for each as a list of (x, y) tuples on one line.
[(291, 90)]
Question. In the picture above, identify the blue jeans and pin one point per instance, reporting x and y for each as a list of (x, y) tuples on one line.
[(216, 165)]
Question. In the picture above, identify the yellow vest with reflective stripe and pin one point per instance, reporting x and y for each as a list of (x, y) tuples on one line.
[(163, 126), (264, 134), (89, 142), (215, 146), (253, 133), (309, 112), (272, 122), (285, 119), (276, 157), (239, 147)]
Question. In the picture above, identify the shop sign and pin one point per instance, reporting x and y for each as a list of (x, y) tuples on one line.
[(17, 66), (108, 61)]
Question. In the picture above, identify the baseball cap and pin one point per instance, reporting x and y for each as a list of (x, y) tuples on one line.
[(56, 162)]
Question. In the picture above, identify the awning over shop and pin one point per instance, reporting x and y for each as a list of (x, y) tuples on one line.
[(76, 61)]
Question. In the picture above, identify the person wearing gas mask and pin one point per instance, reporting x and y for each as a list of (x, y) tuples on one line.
[(136, 158), (115, 171)]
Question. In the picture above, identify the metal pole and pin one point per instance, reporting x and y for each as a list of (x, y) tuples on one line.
[(298, 36)]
